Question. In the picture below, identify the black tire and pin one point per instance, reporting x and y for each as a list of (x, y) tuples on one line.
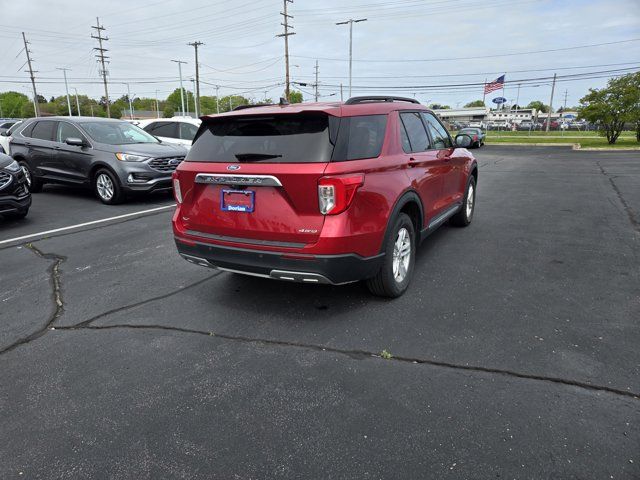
[(107, 187), (33, 184), (386, 283), (465, 215)]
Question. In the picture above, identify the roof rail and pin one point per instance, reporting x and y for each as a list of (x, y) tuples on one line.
[(242, 107), (379, 98)]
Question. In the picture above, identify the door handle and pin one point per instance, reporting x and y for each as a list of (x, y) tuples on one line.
[(28, 144)]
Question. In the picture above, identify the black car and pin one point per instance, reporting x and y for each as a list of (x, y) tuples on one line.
[(7, 124), (15, 198), (113, 157)]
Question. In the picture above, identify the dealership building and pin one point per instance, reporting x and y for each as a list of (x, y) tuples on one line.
[(505, 116)]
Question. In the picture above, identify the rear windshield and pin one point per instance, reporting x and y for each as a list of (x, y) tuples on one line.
[(294, 138)]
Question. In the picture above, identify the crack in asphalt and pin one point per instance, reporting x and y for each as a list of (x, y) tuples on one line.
[(54, 275), (87, 322), (627, 208), (364, 354)]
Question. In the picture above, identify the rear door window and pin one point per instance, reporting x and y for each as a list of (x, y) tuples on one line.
[(44, 130), (360, 137), (288, 138), (439, 134), (163, 129), (187, 131), (416, 133)]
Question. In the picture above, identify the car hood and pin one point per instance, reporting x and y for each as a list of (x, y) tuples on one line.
[(147, 149), (5, 160)]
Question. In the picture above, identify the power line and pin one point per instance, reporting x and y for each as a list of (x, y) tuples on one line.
[(475, 56)]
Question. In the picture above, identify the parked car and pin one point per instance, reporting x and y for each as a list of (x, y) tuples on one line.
[(15, 198), (476, 134), (525, 125), (5, 138), (177, 130), (322, 193), (113, 157), (7, 124)]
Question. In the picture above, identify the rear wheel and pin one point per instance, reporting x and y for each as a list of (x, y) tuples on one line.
[(400, 253), (33, 184), (465, 215), (107, 188)]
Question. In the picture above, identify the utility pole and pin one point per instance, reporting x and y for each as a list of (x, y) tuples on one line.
[(77, 101), (31, 72), (195, 107), (518, 99), (157, 106), (66, 87), (316, 85), (566, 92), (217, 99), (350, 22), (341, 99), (101, 56), (553, 88), (130, 102), (287, 26), (180, 62), (195, 45)]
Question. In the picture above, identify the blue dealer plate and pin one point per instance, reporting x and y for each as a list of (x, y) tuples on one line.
[(237, 201)]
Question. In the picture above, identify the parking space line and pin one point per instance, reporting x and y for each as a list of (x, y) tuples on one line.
[(80, 225)]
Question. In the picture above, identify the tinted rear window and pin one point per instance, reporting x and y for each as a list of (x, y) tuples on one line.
[(296, 138), (360, 137)]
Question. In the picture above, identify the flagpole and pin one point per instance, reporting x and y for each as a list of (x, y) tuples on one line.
[(484, 91), (503, 82)]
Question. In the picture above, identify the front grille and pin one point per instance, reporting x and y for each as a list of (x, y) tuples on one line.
[(5, 179), (167, 164)]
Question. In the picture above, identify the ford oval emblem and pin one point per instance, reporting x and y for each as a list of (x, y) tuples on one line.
[(233, 167)]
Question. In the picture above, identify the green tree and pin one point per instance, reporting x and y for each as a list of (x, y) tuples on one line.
[(175, 102), (437, 106), (295, 97), (14, 104), (613, 106), (475, 103), (168, 112), (539, 106)]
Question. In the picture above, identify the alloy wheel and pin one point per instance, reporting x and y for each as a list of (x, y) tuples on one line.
[(104, 186), (401, 255), (471, 196), (27, 175)]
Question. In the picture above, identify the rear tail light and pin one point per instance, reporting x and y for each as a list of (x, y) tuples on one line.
[(475, 137), (335, 194), (176, 190)]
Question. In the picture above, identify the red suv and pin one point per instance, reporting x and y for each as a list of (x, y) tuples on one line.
[(322, 192)]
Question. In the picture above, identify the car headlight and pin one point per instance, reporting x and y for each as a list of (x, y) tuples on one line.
[(13, 167), (128, 157)]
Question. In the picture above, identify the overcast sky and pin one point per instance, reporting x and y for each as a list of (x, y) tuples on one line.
[(242, 54)]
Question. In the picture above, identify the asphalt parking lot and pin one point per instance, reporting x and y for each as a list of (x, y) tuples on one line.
[(515, 350)]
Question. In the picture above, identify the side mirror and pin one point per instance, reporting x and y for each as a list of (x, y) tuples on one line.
[(463, 140), (4, 134), (76, 142)]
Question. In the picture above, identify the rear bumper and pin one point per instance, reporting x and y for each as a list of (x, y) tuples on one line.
[(329, 269)]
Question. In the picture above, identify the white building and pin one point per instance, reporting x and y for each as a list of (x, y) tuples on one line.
[(499, 117)]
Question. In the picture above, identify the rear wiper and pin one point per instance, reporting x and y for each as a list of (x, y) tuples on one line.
[(247, 157)]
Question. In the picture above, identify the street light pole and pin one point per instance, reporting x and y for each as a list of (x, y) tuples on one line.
[(66, 87), (157, 106), (180, 62), (350, 22), (217, 99), (130, 103)]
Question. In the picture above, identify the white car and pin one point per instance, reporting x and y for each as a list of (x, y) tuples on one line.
[(6, 137), (176, 130)]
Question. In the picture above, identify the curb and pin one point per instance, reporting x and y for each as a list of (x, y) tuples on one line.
[(574, 146)]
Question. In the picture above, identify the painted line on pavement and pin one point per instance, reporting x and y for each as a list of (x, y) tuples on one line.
[(80, 225)]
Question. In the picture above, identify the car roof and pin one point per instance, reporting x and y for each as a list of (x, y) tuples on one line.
[(78, 119), (337, 109)]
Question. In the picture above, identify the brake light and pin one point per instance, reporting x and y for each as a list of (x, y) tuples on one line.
[(176, 190), (336, 193), (475, 137)]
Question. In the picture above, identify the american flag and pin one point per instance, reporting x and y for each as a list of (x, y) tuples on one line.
[(497, 84)]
